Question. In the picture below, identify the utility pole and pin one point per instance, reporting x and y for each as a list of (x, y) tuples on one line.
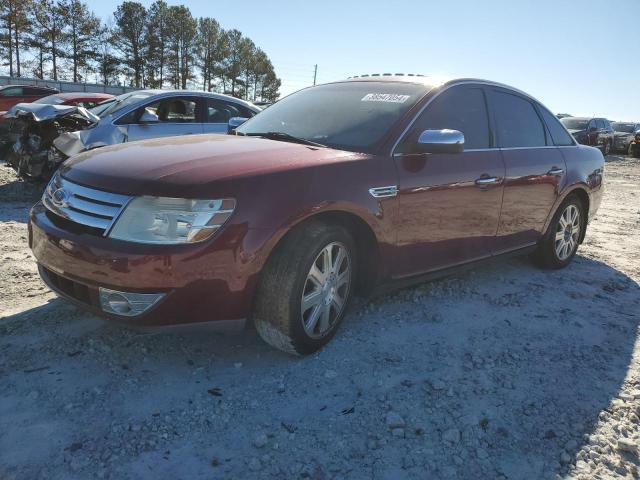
[(315, 73)]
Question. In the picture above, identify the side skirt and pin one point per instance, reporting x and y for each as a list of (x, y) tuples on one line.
[(405, 282)]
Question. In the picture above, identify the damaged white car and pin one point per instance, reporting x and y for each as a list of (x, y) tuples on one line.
[(40, 137)]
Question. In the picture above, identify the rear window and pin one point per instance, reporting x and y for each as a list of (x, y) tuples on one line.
[(50, 100), (559, 135)]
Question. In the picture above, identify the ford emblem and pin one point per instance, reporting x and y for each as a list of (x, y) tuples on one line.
[(60, 198)]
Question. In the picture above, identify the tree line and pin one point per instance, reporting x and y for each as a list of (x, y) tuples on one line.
[(155, 47)]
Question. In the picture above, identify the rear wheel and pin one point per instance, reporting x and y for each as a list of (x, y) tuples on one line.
[(305, 288), (559, 245)]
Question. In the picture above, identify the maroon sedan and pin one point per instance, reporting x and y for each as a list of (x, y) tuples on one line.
[(335, 189)]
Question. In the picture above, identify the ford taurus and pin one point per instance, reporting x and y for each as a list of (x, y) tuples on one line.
[(336, 189)]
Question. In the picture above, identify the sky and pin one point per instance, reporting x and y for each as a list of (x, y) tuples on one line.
[(575, 56)]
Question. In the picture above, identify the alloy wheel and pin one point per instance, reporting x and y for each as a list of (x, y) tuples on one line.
[(567, 232), (326, 290)]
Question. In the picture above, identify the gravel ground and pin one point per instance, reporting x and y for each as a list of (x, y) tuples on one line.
[(502, 372)]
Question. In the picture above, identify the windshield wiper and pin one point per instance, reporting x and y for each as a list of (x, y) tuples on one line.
[(285, 137)]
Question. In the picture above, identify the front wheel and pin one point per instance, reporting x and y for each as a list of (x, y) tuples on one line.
[(607, 148), (559, 245), (305, 288)]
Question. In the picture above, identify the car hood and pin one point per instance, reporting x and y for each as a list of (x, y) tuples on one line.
[(164, 165), (573, 131), (622, 134), (43, 111)]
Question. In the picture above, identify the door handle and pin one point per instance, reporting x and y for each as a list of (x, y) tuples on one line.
[(484, 181), (555, 171)]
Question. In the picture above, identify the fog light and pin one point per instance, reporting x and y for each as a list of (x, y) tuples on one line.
[(118, 303), (127, 304)]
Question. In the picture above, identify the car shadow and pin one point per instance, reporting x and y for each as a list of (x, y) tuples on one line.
[(18, 190), (500, 372)]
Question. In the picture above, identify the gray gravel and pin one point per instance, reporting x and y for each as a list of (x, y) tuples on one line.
[(502, 372)]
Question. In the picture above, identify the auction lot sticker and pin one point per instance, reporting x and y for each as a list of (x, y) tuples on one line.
[(385, 97)]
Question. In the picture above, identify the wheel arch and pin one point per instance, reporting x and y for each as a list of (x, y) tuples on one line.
[(580, 191), (366, 240)]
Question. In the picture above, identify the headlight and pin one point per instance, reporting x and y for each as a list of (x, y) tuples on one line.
[(171, 220)]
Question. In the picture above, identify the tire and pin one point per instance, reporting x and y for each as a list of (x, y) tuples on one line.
[(550, 253), (607, 148), (298, 268)]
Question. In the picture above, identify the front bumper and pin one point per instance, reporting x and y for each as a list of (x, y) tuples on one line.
[(199, 283)]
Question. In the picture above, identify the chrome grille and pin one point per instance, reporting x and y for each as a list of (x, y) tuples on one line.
[(83, 205)]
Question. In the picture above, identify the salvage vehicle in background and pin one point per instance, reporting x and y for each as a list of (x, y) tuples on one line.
[(596, 132), (21, 116), (634, 146), (51, 135), (11, 95), (388, 179), (80, 99), (624, 135)]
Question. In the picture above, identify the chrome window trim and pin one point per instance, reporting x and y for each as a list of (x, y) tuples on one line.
[(485, 83), (492, 149)]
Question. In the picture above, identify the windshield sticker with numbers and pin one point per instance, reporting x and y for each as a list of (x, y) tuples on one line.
[(385, 97)]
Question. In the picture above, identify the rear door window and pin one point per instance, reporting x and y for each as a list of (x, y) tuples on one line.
[(458, 108), (12, 92), (219, 111), (559, 135), (517, 122)]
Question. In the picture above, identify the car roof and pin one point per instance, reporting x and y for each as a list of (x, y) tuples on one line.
[(72, 95), (200, 93), (432, 81), (43, 87)]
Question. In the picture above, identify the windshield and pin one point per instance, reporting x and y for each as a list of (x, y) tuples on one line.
[(575, 123), (50, 100), (623, 127), (353, 116), (121, 101), (98, 109)]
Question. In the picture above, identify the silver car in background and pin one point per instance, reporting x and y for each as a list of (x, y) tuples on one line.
[(624, 134), (147, 114)]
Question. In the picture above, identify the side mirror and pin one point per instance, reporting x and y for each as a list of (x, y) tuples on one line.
[(440, 141), (235, 122), (148, 117)]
